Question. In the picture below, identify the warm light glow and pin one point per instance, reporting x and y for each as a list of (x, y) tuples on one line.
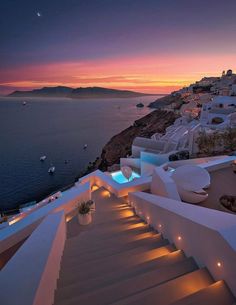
[(68, 218), (132, 73), (106, 194), (94, 187), (136, 225), (158, 252), (179, 238), (127, 213), (160, 226), (219, 264), (16, 219)]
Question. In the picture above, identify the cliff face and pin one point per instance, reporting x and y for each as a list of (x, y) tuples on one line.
[(120, 145), (167, 100)]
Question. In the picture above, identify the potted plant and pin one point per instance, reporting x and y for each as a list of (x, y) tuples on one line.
[(84, 213), (91, 203)]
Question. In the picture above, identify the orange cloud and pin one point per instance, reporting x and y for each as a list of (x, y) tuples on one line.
[(159, 74)]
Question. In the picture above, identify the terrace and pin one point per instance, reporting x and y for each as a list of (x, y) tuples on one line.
[(141, 248)]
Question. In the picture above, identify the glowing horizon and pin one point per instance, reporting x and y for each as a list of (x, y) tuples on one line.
[(143, 74), (154, 46)]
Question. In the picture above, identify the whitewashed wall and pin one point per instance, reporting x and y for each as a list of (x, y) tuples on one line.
[(31, 275), (18, 231), (207, 235)]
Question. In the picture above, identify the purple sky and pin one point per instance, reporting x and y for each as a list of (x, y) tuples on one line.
[(99, 31)]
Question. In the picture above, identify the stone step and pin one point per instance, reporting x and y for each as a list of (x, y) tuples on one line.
[(170, 291), (96, 243), (100, 281), (74, 229), (111, 233), (118, 252), (107, 266), (118, 258), (215, 294), (129, 286), (108, 215), (117, 248), (117, 222)]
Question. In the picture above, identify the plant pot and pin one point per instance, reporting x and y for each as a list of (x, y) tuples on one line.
[(85, 219), (93, 207)]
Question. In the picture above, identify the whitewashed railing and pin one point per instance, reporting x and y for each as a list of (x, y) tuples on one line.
[(207, 235), (31, 275), (20, 230)]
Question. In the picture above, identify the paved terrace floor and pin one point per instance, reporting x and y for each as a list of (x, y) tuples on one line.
[(223, 182), (118, 259)]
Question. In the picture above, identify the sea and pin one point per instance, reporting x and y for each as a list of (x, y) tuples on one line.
[(57, 128)]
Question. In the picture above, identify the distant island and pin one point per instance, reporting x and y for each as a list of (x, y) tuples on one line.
[(89, 92)]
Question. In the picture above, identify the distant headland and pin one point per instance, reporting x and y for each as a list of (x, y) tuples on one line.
[(88, 92)]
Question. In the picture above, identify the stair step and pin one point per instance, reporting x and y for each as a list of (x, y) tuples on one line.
[(114, 249), (100, 281), (108, 266), (130, 286), (172, 290), (74, 229), (217, 294), (118, 258), (119, 222), (118, 253), (108, 215), (110, 233), (87, 245)]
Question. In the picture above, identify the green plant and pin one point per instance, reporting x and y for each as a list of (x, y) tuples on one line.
[(84, 208), (230, 139), (228, 202)]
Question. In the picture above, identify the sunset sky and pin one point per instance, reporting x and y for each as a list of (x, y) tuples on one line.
[(153, 46)]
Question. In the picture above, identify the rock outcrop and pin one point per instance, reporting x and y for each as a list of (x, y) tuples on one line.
[(120, 145), (175, 99)]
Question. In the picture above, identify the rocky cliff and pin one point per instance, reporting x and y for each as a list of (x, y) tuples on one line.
[(175, 99), (120, 145)]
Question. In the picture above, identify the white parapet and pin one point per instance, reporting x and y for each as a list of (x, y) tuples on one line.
[(120, 190), (207, 235), (31, 275), (20, 230)]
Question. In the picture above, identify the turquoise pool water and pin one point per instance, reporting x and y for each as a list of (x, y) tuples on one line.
[(120, 178)]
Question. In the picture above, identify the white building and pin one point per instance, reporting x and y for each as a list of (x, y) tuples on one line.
[(220, 113)]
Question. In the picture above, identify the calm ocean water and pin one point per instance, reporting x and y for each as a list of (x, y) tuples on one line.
[(57, 128)]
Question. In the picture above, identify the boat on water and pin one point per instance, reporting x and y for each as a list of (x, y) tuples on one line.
[(24, 103), (51, 169), (140, 105), (43, 158), (85, 146)]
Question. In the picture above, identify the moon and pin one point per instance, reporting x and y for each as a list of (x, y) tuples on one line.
[(39, 14)]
